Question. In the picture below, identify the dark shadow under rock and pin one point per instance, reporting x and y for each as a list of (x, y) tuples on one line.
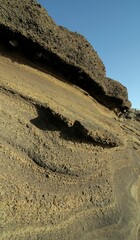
[(66, 53)]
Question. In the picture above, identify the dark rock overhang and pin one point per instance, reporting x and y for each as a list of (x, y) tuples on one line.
[(66, 54)]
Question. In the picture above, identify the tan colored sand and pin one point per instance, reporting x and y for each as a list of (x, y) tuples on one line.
[(55, 184)]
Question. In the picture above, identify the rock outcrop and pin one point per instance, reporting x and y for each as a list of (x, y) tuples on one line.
[(67, 170), (67, 53), (69, 165)]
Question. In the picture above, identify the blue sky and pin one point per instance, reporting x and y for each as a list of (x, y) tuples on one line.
[(113, 29)]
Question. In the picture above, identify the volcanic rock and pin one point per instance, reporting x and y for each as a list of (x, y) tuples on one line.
[(69, 165), (67, 53), (67, 171)]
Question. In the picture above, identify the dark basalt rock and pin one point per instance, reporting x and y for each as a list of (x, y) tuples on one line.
[(133, 114), (67, 53), (117, 91)]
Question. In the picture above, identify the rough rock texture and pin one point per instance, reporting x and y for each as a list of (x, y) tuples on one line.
[(132, 114), (69, 166), (27, 23), (67, 171)]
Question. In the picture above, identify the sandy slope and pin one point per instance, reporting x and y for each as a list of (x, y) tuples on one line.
[(69, 167)]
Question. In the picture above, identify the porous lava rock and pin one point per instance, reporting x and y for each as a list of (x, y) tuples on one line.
[(69, 166), (67, 53)]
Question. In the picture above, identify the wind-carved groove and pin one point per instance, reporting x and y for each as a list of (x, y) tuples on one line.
[(50, 167), (50, 120), (41, 161)]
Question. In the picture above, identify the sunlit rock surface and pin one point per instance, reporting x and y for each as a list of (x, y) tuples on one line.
[(27, 26), (69, 165)]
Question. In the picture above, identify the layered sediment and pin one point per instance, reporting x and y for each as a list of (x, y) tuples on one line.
[(69, 165), (68, 171), (37, 35)]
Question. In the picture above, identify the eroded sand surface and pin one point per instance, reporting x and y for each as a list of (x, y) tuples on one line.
[(69, 166)]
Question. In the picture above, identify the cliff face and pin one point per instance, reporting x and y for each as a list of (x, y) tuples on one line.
[(38, 36), (69, 165)]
